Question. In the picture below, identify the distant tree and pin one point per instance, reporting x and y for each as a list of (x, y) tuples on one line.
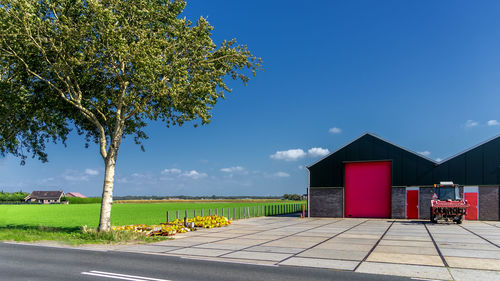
[(106, 68), (295, 197)]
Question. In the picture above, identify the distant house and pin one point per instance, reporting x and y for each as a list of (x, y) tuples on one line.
[(75, 194), (44, 197)]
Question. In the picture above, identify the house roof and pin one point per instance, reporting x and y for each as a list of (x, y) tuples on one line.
[(375, 136), (75, 194), (46, 194)]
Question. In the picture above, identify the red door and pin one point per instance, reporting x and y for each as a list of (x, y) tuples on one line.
[(412, 204), (472, 201), (368, 189)]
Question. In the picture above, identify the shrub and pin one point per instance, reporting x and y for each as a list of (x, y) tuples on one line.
[(78, 200)]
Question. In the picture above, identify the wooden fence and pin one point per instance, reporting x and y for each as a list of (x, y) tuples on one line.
[(235, 213)]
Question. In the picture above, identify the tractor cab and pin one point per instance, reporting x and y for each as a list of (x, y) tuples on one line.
[(447, 191)]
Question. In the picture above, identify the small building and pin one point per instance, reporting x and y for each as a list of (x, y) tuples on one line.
[(44, 197), (373, 178), (75, 194)]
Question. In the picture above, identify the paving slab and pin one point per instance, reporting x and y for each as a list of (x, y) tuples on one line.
[(460, 274), (149, 248), (334, 254), (473, 263), (321, 263), (242, 241), (406, 250), (416, 271), (406, 259), (244, 261), (221, 246), (407, 238), (285, 250), (258, 256), (200, 239), (471, 253), (406, 243), (287, 243), (359, 236), (200, 252), (263, 236), (221, 234), (354, 241), (345, 247), (484, 246)]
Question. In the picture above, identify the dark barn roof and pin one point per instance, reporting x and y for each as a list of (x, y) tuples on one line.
[(476, 166), (49, 195)]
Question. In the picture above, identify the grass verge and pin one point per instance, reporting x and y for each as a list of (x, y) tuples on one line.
[(72, 235)]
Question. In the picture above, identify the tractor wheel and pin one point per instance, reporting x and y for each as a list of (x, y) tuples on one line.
[(433, 217), (459, 220)]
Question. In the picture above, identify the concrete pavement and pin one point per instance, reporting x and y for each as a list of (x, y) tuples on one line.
[(378, 246)]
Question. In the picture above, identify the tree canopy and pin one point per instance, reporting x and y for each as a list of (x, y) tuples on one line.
[(106, 68)]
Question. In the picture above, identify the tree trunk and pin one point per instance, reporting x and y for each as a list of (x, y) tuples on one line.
[(107, 193)]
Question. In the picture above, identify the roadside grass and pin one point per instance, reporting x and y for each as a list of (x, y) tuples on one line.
[(71, 235)]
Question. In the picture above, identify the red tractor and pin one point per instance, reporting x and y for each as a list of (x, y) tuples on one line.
[(446, 203)]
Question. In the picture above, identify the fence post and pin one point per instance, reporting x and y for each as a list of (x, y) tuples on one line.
[(186, 213), (239, 213), (217, 211), (194, 214), (202, 213), (223, 212), (248, 212), (167, 217)]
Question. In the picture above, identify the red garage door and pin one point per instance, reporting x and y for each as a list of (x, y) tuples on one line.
[(368, 189)]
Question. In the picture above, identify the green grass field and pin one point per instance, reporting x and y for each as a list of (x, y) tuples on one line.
[(71, 216)]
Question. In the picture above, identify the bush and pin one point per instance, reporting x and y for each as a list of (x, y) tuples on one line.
[(78, 200), (13, 197)]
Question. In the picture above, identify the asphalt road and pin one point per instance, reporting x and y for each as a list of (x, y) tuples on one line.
[(29, 262)]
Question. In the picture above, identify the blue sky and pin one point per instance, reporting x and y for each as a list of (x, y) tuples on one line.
[(421, 74)]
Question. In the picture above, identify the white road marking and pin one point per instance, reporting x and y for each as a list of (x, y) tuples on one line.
[(121, 276)]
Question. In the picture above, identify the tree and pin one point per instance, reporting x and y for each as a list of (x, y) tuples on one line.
[(106, 68)]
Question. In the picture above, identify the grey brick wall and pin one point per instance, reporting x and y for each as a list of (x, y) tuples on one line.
[(488, 203), (327, 202), (424, 201), (398, 203)]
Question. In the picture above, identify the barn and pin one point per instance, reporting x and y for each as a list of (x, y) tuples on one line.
[(373, 178)]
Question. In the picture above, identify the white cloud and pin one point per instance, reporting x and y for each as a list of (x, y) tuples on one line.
[(335, 130), (471, 123), (232, 169), (193, 174), (171, 171), (425, 153), (300, 167), (493, 123), (281, 175), (439, 159), (72, 175), (318, 151), (91, 172), (289, 155)]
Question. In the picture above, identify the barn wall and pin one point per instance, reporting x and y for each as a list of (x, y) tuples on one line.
[(327, 202), (488, 203), (398, 203)]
